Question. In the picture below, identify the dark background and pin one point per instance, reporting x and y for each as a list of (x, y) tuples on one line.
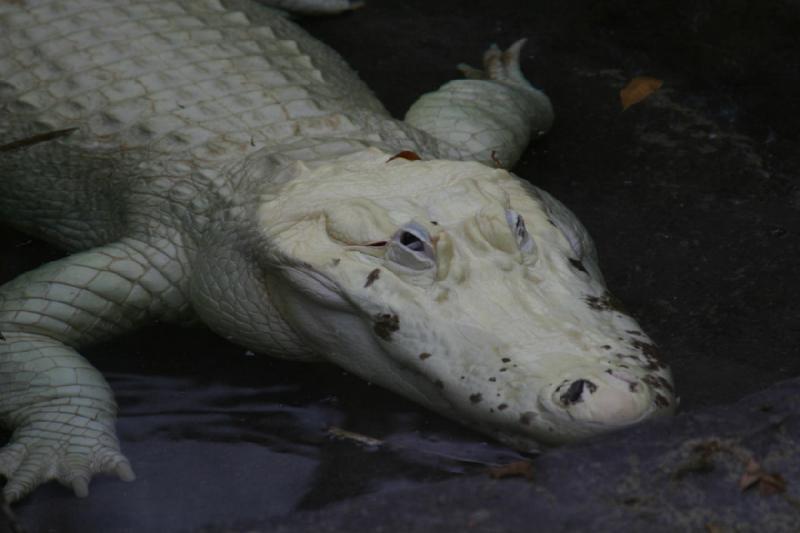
[(692, 197)]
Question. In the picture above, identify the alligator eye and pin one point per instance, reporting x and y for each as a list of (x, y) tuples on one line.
[(573, 239), (517, 223), (411, 247), (412, 242)]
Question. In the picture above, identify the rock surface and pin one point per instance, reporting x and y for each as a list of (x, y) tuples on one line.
[(679, 475)]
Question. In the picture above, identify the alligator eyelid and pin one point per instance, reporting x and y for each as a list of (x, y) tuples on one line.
[(374, 249), (411, 247), (525, 242)]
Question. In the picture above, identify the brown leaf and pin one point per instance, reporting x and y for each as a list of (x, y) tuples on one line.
[(496, 161), (36, 139), (768, 484), (714, 528), (515, 469), (405, 154), (751, 475), (638, 89)]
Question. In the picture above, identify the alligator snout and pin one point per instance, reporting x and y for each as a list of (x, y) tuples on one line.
[(613, 398)]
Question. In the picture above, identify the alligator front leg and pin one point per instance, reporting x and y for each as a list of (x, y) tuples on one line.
[(59, 407), (489, 117)]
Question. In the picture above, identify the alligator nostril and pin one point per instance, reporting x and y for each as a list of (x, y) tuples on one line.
[(575, 391)]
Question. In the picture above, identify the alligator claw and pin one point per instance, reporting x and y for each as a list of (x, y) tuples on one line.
[(499, 65), (36, 456)]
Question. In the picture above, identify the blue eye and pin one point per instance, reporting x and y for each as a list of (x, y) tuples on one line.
[(411, 247), (412, 242)]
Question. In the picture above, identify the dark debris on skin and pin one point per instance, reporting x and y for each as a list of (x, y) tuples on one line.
[(651, 353), (661, 401), (658, 382), (633, 387), (606, 302), (652, 381), (666, 384), (385, 325), (372, 277)]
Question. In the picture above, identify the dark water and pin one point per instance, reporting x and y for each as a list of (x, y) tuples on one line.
[(240, 437)]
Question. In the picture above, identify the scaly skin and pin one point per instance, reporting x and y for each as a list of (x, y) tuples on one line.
[(214, 162)]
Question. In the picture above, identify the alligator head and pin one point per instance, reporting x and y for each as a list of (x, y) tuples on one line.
[(463, 288)]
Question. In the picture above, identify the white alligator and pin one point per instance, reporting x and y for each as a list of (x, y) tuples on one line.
[(207, 159)]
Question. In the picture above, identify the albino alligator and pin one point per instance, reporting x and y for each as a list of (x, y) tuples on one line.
[(209, 160)]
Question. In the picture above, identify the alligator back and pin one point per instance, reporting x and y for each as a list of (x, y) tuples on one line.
[(99, 100)]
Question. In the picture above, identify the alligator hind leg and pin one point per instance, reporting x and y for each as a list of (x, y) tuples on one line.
[(489, 117)]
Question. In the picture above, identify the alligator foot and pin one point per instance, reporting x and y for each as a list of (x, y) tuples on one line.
[(499, 65), (70, 452)]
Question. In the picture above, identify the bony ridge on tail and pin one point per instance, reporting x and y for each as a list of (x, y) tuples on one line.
[(213, 161)]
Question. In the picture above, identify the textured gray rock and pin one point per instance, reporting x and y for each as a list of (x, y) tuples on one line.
[(668, 475)]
